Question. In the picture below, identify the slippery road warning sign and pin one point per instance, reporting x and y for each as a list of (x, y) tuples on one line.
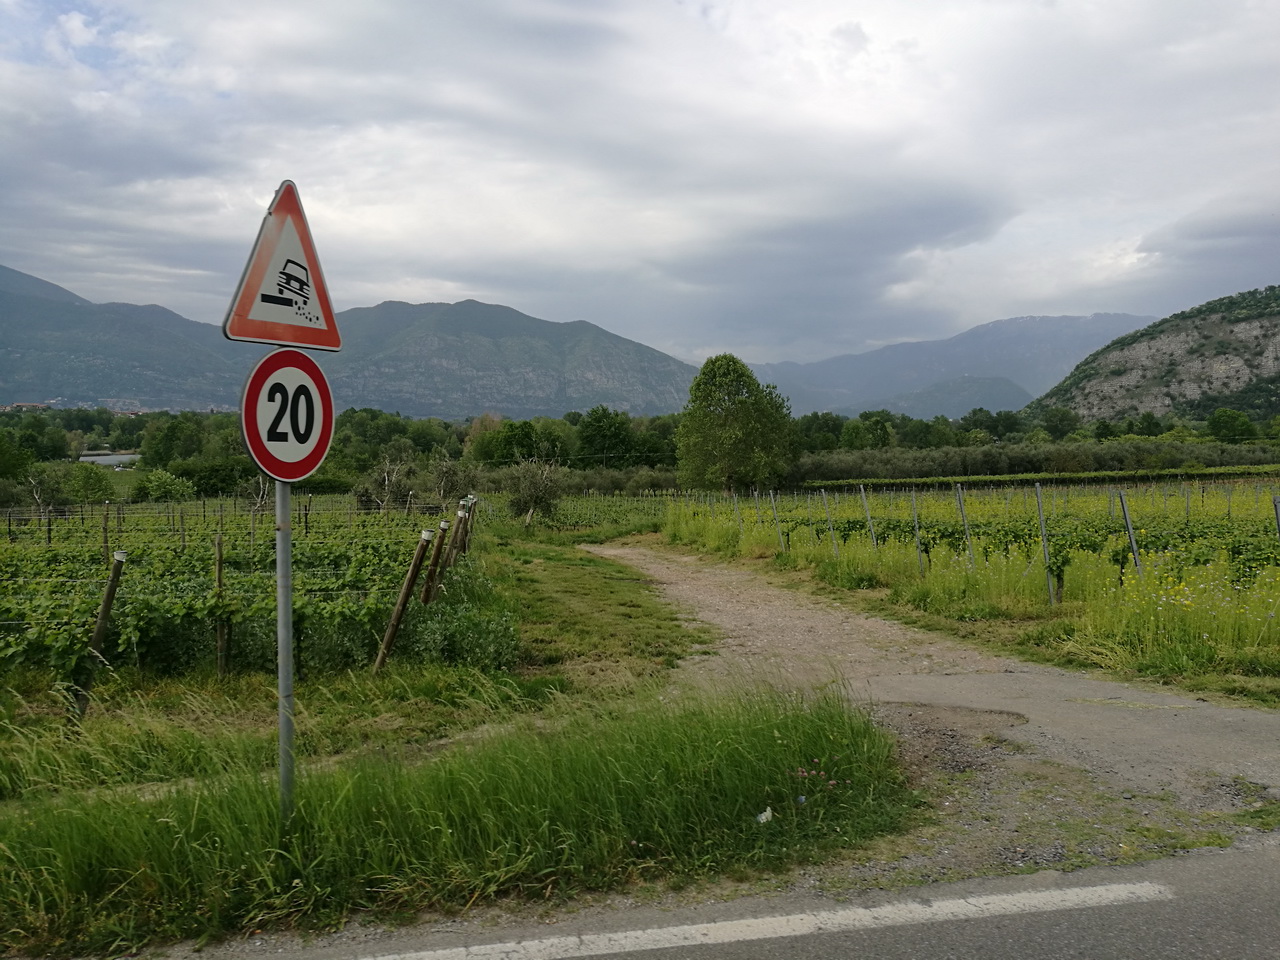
[(282, 298)]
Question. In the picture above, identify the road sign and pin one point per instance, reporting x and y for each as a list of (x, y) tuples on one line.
[(286, 414), (282, 297)]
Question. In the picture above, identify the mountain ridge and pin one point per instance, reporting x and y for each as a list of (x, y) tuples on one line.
[(1222, 353), (457, 360)]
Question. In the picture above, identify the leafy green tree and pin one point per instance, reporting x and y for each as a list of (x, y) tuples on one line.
[(173, 438), (1230, 426), (879, 428), (535, 487), (734, 432), (162, 486), (89, 483), (1059, 421), (1149, 425), (1005, 422), (605, 435), (853, 435), (819, 431)]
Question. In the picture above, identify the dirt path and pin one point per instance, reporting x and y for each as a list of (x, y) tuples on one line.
[(1137, 738)]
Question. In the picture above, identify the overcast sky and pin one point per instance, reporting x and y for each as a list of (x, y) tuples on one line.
[(781, 179)]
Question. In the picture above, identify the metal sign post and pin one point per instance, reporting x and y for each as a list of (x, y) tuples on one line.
[(286, 410), (284, 646)]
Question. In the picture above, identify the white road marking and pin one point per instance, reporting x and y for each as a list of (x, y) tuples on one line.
[(801, 924)]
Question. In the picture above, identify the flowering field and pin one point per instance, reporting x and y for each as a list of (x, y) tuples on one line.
[(1187, 592)]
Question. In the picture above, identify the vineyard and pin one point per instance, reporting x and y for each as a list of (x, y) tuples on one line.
[(194, 573), (484, 762), (1186, 591)]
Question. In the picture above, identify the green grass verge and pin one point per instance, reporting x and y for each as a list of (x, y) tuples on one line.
[(588, 630), (753, 782)]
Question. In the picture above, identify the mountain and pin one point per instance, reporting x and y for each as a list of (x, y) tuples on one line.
[(455, 360), (57, 346), (1033, 352), (1224, 353), (432, 359), (955, 398)]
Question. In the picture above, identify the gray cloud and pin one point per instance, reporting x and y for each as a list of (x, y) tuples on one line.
[(781, 181)]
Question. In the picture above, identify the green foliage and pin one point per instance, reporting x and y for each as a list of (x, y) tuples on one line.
[(605, 434), (1230, 426), (89, 483), (597, 802), (734, 433), (1059, 421), (535, 488), (161, 486)]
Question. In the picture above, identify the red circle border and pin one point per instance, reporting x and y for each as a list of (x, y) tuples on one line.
[(273, 466)]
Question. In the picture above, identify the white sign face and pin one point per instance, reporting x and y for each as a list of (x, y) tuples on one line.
[(287, 415), (288, 293)]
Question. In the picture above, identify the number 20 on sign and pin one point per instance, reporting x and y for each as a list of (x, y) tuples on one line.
[(287, 415)]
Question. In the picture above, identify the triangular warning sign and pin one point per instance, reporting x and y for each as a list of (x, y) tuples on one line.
[(282, 297)]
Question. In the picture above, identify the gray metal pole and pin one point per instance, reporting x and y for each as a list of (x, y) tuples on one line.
[(1133, 541), (1044, 544), (284, 648), (830, 527)]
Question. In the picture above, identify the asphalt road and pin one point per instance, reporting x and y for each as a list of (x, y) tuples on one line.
[(1201, 905)]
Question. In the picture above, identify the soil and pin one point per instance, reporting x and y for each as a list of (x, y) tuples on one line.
[(1025, 766)]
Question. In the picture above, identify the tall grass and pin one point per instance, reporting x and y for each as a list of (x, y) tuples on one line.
[(1184, 622), (1202, 613), (755, 781)]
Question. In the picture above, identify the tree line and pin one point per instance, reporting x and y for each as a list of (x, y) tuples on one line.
[(734, 433)]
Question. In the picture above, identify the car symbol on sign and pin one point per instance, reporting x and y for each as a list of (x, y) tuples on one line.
[(294, 281)]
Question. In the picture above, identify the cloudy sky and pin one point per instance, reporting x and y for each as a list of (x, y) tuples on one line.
[(782, 179)]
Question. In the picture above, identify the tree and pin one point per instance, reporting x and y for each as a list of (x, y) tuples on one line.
[(89, 483), (1059, 421), (535, 487), (605, 434), (734, 432), (1230, 426)]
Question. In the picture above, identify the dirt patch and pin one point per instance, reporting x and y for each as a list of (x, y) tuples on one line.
[(1024, 766)]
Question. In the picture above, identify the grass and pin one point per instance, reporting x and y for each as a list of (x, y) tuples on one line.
[(430, 785), (754, 782), (588, 629), (585, 612), (1201, 620)]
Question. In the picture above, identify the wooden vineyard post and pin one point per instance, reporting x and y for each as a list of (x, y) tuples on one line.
[(835, 547), (968, 542), (402, 602), (737, 513), (773, 502), (871, 527), (433, 565), (455, 541), (1133, 541), (1275, 502), (99, 635), (106, 550), (1044, 543), (221, 650), (471, 500), (915, 522)]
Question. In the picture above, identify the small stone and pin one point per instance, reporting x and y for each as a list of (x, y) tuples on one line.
[(1127, 796), (1272, 793)]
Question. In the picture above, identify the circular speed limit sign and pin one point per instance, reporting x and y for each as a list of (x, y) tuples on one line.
[(287, 415)]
